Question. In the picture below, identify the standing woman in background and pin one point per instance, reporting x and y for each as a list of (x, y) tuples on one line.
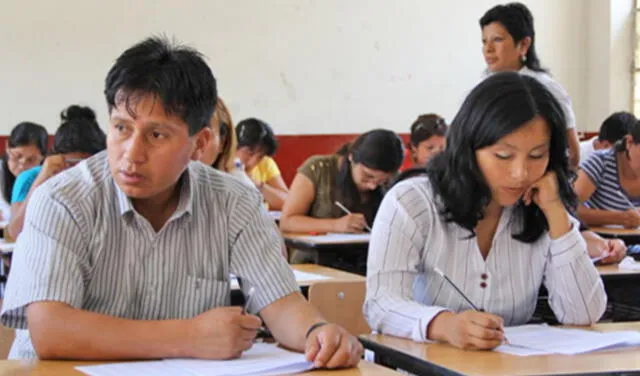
[(508, 44), (256, 145), (26, 148), (427, 138)]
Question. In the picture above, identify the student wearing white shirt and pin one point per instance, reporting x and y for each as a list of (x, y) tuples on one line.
[(613, 128), (492, 215), (508, 39)]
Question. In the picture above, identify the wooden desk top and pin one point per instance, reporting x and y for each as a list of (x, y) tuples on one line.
[(495, 363), (328, 239), (63, 368), (335, 274), (613, 270), (616, 231)]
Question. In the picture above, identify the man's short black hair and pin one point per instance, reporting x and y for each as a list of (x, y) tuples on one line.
[(175, 75)]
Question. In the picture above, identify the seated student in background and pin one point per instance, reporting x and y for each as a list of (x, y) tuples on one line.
[(256, 145), (78, 137), (220, 150), (508, 45), (128, 255), (608, 184), (427, 138), (354, 177), (26, 148), (614, 127), (493, 215)]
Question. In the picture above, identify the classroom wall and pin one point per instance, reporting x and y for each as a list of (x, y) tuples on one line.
[(306, 66)]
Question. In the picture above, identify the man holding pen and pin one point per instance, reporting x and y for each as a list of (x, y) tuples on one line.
[(128, 255)]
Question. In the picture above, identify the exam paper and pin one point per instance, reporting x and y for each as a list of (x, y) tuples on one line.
[(529, 340), (262, 359)]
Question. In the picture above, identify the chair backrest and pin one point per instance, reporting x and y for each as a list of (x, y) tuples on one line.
[(6, 339), (341, 303)]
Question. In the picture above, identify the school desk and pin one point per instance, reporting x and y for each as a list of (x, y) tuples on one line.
[(630, 236), (330, 249), (623, 292), (333, 275), (64, 368), (443, 359)]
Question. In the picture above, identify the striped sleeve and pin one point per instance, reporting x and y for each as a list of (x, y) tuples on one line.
[(594, 167), (256, 252), (46, 263), (576, 292), (395, 254)]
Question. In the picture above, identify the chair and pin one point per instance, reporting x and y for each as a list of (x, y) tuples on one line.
[(341, 303)]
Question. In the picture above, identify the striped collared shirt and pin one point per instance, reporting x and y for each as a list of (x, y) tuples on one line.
[(602, 170), (410, 239), (84, 244)]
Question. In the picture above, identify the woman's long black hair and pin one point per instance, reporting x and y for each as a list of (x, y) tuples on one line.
[(379, 149), (495, 108)]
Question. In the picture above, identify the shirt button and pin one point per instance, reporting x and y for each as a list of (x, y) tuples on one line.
[(484, 276), (483, 284)]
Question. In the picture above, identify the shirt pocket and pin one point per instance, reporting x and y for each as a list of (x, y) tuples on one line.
[(203, 294)]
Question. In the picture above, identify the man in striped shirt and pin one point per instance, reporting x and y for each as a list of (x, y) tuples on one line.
[(128, 254)]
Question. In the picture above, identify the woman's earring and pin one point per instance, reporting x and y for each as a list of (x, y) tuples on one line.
[(523, 59)]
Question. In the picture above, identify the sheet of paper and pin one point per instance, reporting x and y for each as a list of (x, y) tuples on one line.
[(304, 276), (157, 368), (542, 339), (6, 247), (275, 214), (333, 237), (262, 359), (629, 263)]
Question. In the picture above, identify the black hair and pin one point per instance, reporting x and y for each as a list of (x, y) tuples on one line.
[(379, 149), (634, 132), (616, 126), (256, 134), (23, 134), (518, 20), (425, 127), (175, 75), (79, 132), (498, 106)]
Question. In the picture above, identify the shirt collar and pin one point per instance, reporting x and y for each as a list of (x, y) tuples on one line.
[(185, 202)]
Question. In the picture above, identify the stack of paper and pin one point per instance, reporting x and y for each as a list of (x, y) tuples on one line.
[(542, 340), (262, 359), (629, 263)]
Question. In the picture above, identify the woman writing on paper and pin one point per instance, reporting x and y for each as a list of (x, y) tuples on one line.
[(609, 184), (493, 215), (508, 45)]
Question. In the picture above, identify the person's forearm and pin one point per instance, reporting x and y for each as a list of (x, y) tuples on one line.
[(274, 196), (304, 224), (59, 331), (558, 220), (289, 319), (597, 217), (14, 228)]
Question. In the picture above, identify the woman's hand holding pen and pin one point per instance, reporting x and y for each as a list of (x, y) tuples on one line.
[(350, 223), (468, 330)]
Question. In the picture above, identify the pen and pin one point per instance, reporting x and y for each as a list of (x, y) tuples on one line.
[(250, 295), (347, 211), (450, 282)]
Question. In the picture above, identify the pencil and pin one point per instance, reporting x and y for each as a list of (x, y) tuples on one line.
[(347, 211)]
